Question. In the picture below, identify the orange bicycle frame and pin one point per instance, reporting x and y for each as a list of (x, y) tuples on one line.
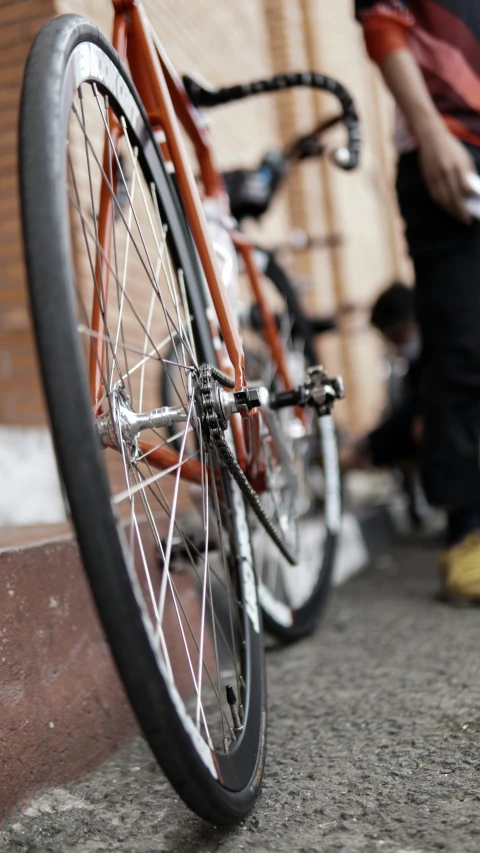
[(166, 103)]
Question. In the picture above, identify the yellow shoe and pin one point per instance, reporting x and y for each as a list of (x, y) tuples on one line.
[(460, 570)]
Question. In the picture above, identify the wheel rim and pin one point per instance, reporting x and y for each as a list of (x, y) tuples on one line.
[(175, 523), (298, 508)]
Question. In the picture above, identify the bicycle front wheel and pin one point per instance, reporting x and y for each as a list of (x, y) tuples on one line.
[(163, 531)]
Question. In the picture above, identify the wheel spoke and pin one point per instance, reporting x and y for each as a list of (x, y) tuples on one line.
[(171, 527), (195, 556), (146, 264)]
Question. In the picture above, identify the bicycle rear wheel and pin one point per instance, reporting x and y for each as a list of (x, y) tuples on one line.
[(306, 506), (304, 503), (300, 327), (163, 535)]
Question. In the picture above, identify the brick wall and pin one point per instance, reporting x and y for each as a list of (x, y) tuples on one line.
[(229, 42), (20, 397)]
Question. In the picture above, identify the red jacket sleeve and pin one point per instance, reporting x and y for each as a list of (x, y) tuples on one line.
[(386, 28)]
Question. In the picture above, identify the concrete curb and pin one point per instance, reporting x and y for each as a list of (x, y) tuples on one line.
[(63, 707)]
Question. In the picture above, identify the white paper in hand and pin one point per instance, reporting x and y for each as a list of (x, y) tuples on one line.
[(472, 202)]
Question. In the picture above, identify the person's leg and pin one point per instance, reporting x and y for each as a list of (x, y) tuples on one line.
[(448, 300), (392, 441), (446, 256)]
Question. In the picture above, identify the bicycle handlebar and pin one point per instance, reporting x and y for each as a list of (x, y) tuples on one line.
[(347, 158)]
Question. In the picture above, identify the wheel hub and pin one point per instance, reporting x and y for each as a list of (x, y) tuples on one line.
[(121, 426)]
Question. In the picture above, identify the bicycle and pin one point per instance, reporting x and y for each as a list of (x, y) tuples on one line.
[(163, 533)]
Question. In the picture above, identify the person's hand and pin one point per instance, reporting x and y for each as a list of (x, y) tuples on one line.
[(445, 164)]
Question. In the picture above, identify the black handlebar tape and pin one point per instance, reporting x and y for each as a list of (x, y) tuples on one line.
[(320, 325), (201, 97)]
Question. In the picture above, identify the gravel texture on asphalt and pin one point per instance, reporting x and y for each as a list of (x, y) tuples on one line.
[(374, 743)]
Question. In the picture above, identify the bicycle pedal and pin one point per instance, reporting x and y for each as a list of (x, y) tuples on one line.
[(318, 391)]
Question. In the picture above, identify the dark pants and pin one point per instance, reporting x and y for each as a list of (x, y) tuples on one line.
[(446, 257), (392, 442)]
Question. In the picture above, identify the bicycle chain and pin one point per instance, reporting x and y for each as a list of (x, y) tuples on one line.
[(216, 428)]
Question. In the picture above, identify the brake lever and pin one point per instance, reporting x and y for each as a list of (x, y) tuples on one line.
[(309, 146)]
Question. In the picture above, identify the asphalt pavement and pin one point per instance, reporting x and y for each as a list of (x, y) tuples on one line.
[(374, 742)]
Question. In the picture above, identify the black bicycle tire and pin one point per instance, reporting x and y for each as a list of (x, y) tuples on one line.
[(283, 283), (306, 618), (50, 277)]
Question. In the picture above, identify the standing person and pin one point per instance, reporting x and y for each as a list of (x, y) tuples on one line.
[(429, 55)]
